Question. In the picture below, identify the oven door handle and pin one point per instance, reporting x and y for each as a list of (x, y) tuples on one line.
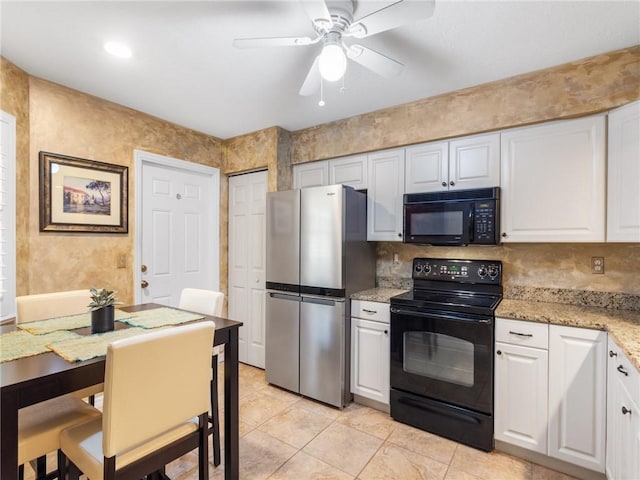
[(448, 316)]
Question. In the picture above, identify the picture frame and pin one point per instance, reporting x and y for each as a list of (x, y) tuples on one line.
[(80, 195)]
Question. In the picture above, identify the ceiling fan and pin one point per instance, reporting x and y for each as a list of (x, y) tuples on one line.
[(333, 22)]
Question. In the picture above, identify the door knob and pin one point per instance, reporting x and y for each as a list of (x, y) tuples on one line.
[(143, 268), (144, 284)]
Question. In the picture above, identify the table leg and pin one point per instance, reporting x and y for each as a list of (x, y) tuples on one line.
[(9, 437), (231, 408)]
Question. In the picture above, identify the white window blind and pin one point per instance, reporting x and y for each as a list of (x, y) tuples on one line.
[(7, 215)]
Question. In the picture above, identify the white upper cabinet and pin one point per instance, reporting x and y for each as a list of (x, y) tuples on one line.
[(427, 168), (474, 162), (553, 182), (351, 171), (311, 174), (465, 163), (385, 195), (623, 210)]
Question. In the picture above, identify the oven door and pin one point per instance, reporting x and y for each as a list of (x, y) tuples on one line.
[(446, 356), (439, 223)]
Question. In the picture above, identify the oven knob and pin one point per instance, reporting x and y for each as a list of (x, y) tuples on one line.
[(482, 272), (493, 272), (418, 268), (427, 269)]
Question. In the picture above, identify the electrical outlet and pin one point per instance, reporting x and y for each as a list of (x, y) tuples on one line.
[(122, 260), (597, 265)]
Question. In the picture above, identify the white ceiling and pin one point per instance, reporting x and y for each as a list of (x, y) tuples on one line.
[(185, 70)]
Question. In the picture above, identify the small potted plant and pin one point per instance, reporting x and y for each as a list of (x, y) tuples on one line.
[(102, 311)]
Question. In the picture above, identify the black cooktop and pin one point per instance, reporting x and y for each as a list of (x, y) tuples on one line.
[(470, 286)]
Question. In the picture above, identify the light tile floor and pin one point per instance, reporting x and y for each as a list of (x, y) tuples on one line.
[(286, 437)]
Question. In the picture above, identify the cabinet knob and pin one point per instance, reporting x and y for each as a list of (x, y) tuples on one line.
[(452, 183), (386, 332), (400, 235), (504, 234), (612, 354), (625, 410), (622, 370), (499, 352), (444, 184)]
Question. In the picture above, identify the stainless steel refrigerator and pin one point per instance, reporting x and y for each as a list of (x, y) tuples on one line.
[(317, 256)]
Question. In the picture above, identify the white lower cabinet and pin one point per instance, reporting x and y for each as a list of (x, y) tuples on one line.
[(370, 350), (623, 416), (550, 392), (577, 395), (521, 381)]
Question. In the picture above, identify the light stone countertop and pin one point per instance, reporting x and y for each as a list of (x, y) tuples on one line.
[(623, 325), (382, 295)]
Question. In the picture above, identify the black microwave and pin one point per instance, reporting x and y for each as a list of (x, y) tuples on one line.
[(459, 217)]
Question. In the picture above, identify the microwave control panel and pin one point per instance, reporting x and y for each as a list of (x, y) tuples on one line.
[(484, 223), (465, 271)]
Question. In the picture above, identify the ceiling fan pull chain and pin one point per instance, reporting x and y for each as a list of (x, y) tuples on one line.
[(321, 102)]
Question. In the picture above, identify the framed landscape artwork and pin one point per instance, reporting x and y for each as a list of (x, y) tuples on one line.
[(78, 195)]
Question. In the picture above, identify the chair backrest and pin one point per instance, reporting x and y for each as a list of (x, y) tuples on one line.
[(155, 382), (207, 302), (30, 308)]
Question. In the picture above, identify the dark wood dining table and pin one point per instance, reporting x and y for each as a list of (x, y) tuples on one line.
[(31, 380)]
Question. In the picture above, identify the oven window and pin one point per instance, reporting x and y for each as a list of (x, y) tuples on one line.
[(439, 356), (436, 223)]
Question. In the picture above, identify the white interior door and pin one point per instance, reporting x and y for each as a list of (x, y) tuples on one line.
[(247, 206), (179, 229)]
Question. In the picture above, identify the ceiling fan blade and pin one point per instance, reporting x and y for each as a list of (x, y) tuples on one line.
[(374, 61), (317, 11), (391, 16), (272, 42), (312, 82)]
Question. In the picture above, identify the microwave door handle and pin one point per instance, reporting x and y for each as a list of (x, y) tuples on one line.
[(472, 224)]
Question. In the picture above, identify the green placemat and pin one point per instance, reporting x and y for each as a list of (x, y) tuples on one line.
[(91, 346), (19, 344), (161, 317), (69, 322)]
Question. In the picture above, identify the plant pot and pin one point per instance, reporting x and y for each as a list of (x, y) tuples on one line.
[(102, 319)]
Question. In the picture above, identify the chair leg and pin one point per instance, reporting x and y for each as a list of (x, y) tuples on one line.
[(41, 467), (203, 448), (21, 472), (62, 465), (215, 411), (92, 400), (73, 471)]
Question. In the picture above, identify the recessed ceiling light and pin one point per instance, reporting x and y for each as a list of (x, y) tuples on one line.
[(118, 49)]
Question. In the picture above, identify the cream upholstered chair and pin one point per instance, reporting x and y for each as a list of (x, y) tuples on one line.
[(39, 428), (39, 425), (155, 384), (30, 308), (208, 302)]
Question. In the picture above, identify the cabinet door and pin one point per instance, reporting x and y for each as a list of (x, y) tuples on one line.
[(577, 395), (311, 174), (474, 162), (370, 359), (623, 207), (521, 396), (427, 168), (553, 182), (384, 195), (350, 171)]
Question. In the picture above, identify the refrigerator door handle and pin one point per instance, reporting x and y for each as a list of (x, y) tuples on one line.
[(322, 300), (283, 296)]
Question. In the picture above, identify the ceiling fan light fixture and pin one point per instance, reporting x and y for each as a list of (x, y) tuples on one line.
[(333, 62)]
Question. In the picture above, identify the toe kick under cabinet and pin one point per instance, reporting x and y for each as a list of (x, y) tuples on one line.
[(550, 390), (370, 352)]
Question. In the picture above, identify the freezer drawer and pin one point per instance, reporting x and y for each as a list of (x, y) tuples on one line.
[(322, 350), (282, 340)]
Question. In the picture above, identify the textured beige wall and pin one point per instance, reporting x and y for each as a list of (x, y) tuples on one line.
[(533, 265), (71, 123), (14, 85), (578, 88)]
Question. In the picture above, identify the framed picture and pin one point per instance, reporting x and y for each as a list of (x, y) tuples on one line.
[(78, 195)]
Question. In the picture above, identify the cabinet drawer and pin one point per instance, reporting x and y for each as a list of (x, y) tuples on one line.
[(376, 311), (619, 364), (516, 332)]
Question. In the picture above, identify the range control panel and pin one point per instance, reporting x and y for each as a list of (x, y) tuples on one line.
[(463, 271)]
